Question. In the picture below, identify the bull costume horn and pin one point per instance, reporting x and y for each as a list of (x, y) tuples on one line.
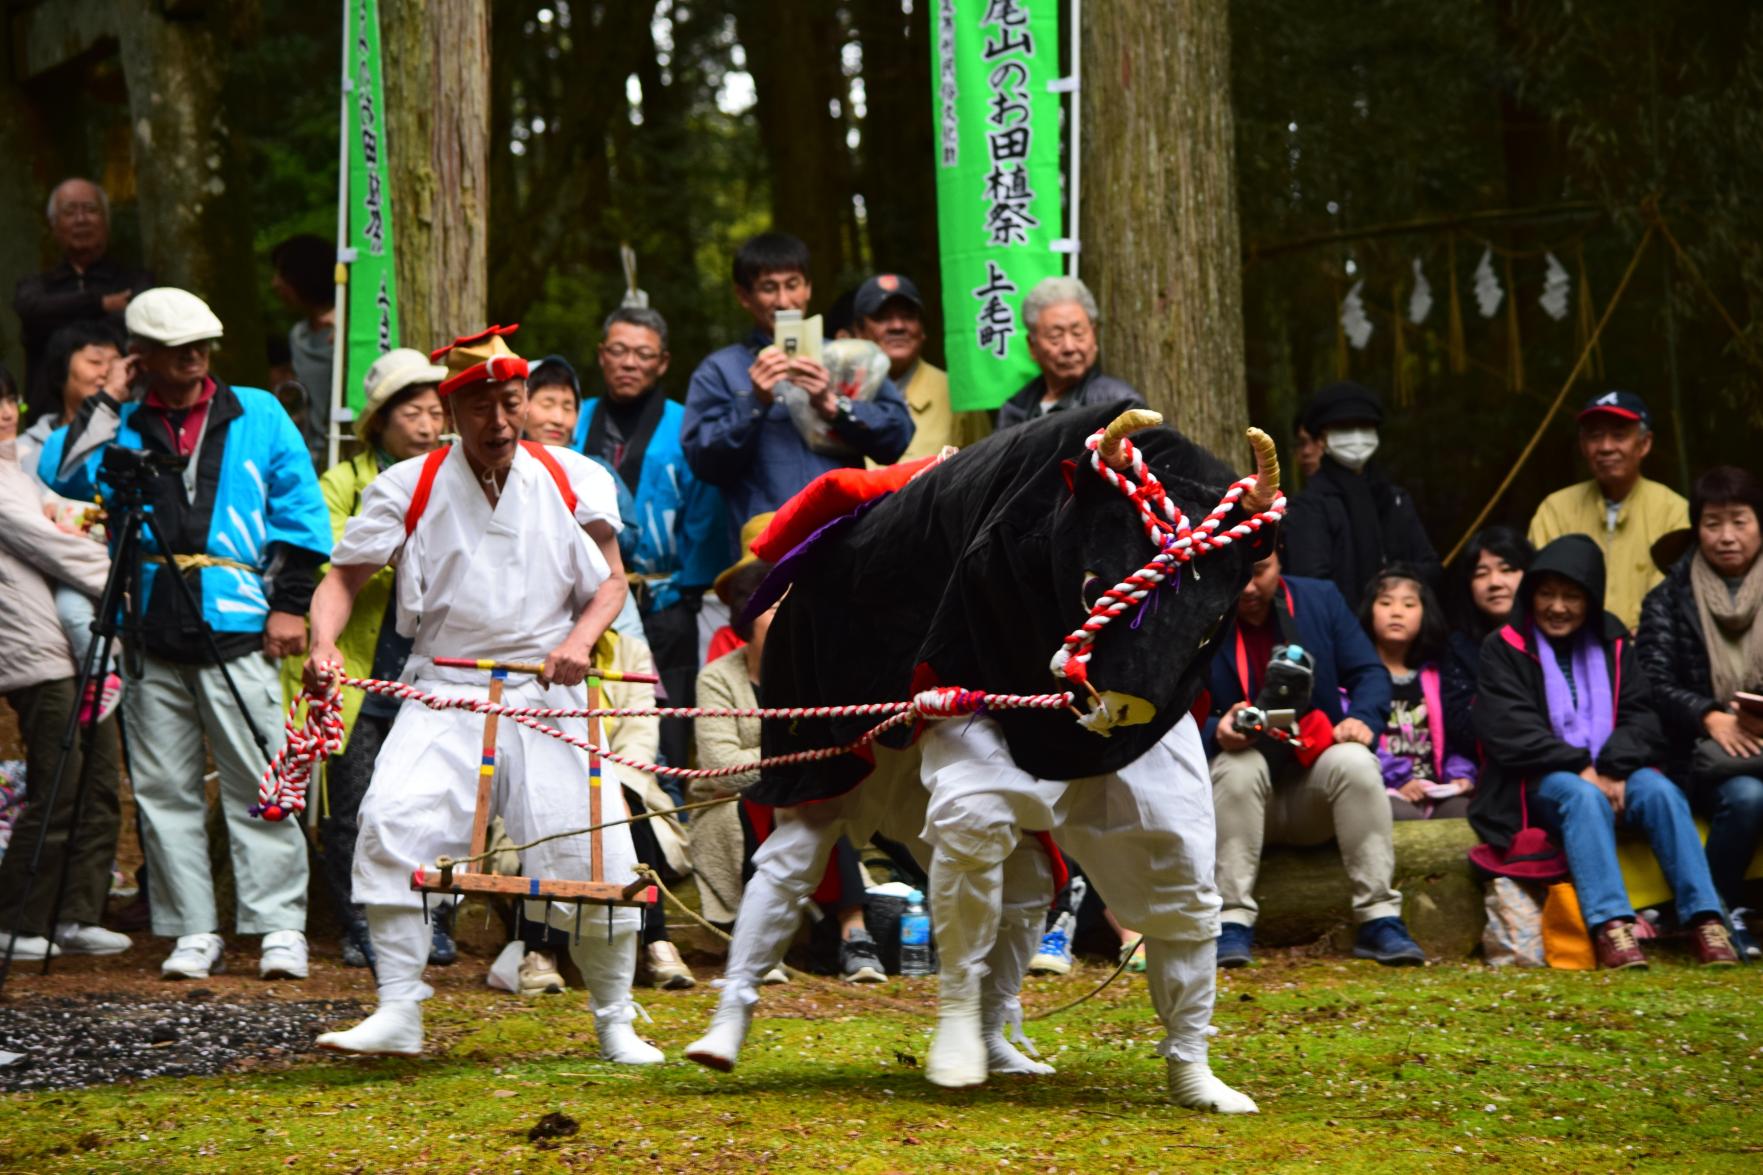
[(1266, 471), (1130, 421)]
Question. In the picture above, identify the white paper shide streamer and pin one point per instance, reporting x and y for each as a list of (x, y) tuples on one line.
[(1353, 319), (1557, 289), (1488, 294), (1420, 301)]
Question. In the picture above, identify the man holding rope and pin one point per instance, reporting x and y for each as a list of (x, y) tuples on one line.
[(488, 540)]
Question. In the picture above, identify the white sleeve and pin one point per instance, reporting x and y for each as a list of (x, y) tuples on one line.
[(374, 536), (596, 496)]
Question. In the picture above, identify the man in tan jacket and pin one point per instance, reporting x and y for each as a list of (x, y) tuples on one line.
[(38, 678), (888, 312)]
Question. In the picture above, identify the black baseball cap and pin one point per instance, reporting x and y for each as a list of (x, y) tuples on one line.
[(873, 294), (1624, 405)]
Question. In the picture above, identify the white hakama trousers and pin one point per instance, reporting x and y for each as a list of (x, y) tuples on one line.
[(790, 862), (420, 804), (1144, 835)]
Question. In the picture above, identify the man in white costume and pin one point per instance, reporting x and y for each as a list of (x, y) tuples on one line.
[(508, 551), (787, 867)]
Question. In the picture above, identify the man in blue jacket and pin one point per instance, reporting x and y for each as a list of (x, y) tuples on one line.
[(681, 527), (247, 529), (738, 433), (1329, 787)]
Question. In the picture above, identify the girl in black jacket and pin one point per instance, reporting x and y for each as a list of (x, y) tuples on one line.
[(1567, 724)]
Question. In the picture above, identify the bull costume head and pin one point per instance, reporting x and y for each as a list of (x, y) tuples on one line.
[(980, 569)]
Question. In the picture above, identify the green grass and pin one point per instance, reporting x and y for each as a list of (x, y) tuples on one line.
[(1451, 1068)]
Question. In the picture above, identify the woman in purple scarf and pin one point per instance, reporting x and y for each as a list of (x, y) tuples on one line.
[(1568, 726)]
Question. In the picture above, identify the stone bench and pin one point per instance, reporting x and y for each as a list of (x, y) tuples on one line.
[(1304, 897)]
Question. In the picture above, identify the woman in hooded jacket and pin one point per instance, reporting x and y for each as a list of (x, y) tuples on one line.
[(1567, 722)]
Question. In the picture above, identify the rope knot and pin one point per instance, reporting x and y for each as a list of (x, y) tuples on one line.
[(948, 702)]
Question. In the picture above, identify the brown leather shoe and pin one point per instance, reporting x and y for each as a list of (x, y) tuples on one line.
[(1713, 944), (1617, 948)]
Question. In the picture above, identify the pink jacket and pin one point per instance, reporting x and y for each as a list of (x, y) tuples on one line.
[(34, 554)]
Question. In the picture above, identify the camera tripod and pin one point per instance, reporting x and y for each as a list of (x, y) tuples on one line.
[(130, 514)]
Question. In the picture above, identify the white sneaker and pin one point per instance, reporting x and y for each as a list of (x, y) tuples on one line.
[(1192, 1084), (774, 977), (196, 956), (619, 1042), (539, 975), (29, 946), (394, 1030), (283, 955), (76, 939), (667, 970)]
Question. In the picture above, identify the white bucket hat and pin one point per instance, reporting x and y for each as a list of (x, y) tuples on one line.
[(170, 317), (390, 374)]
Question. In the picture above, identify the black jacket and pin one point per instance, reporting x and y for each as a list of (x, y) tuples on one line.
[(1322, 541), (48, 301), (1512, 713), (1093, 388), (1674, 653)]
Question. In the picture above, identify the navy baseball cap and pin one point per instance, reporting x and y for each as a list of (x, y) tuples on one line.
[(873, 294), (1622, 405)]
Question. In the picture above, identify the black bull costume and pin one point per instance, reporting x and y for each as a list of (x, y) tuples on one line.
[(980, 573), (972, 575)]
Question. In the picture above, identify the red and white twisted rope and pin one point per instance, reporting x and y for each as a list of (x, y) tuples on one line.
[(282, 791), (1166, 526)]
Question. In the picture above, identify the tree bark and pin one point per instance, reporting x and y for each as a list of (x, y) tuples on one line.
[(1304, 895), (1159, 233), (436, 56), (195, 220), (792, 49), (897, 175)]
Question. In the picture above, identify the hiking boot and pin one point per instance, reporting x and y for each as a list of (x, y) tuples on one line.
[(859, 962), (1054, 955), (357, 946), (1713, 944), (442, 951), (1235, 943), (1616, 947), (1388, 941), (539, 974), (666, 969)]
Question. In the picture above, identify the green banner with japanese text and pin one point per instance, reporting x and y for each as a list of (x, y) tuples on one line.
[(999, 198), (372, 325)]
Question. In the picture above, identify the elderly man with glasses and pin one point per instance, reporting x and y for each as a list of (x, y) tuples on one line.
[(87, 283)]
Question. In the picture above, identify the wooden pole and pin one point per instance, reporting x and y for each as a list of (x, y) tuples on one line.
[(486, 772), (596, 870)]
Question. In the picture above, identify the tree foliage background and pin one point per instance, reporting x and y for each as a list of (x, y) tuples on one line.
[(681, 126)]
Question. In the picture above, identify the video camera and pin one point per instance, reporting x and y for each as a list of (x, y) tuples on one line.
[(1284, 694), (123, 466)]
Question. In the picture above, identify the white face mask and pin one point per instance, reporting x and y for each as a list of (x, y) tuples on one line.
[(1352, 447)]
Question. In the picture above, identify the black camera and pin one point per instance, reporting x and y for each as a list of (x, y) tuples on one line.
[(121, 464), (1284, 696)]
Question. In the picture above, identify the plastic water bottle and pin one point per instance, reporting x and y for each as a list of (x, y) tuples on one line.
[(915, 957)]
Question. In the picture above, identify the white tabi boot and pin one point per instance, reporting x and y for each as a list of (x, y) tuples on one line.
[(609, 968), (958, 1051), (1019, 932), (401, 950), (785, 871), (720, 1047), (1192, 1084), (1183, 980)]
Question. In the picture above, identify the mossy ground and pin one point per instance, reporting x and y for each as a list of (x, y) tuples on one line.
[(1355, 1067)]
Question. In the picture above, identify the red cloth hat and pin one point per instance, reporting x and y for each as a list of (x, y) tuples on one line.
[(481, 358)]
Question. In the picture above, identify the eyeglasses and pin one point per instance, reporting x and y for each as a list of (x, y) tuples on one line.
[(620, 351)]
